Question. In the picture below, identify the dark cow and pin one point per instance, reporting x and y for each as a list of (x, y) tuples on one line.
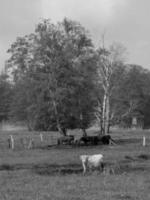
[(91, 140), (95, 140), (107, 139), (65, 139)]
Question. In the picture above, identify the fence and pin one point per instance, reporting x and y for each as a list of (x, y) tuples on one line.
[(27, 141)]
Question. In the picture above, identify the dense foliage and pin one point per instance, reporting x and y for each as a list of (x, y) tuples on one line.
[(6, 94), (53, 73), (59, 81)]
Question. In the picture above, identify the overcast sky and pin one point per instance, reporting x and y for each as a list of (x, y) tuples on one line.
[(125, 21)]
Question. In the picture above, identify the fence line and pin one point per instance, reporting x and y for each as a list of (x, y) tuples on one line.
[(28, 141)]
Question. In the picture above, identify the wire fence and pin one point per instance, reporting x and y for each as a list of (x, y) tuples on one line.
[(27, 141), (31, 140)]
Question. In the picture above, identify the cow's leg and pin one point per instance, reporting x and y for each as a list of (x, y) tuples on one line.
[(84, 167), (101, 167), (90, 169)]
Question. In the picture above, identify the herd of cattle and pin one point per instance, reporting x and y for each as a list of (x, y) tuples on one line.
[(85, 140), (88, 161)]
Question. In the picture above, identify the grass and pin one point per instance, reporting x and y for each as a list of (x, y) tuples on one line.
[(55, 173)]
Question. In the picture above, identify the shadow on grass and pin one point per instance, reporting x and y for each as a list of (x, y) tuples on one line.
[(144, 157), (13, 167), (127, 141), (129, 165), (53, 170), (72, 146), (44, 168)]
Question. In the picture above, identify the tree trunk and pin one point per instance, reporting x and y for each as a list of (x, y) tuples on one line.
[(61, 129), (30, 124), (105, 115), (101, 126), (107, 122), (84, 132)]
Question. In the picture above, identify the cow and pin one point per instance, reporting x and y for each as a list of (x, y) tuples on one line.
[(105, 139), (92, 140), (92, 161), (68, 139), (95, 140)]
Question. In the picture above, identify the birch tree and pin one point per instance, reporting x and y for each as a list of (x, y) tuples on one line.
[(109, 61)]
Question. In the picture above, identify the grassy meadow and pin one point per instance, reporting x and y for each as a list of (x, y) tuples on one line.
[(51, 172)]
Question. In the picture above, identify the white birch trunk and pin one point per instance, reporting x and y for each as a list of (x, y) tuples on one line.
[(103, 115)]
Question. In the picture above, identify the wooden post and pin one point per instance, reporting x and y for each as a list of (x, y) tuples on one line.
[(144, 141), (12, 143), (41, 137), (31, 143)]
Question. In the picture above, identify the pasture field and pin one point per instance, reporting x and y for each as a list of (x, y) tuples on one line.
[(50, 172)]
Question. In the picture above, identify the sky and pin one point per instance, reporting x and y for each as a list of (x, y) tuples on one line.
[(123, 21)]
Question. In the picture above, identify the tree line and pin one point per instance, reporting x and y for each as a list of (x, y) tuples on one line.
[(56, 79)]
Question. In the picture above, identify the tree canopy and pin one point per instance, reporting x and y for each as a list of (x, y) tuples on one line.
[(58, 80), (54, 69)]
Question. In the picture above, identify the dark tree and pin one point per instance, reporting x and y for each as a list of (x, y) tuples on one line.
[(53, 71)]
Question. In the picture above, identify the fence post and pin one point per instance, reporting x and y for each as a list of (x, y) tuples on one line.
[(41, 137), (144, 141), (31, 143), (12, 143)]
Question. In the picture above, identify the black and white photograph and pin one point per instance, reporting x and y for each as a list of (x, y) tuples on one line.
[(74, 100)]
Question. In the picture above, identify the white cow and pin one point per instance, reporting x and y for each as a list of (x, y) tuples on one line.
[(91, 161)]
